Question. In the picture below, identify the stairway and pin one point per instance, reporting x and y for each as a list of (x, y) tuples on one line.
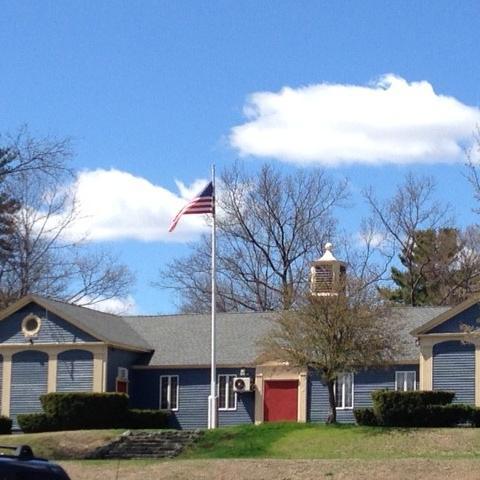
[(161, 444)]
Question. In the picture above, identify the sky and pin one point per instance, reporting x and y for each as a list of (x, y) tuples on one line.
[(152, 92)]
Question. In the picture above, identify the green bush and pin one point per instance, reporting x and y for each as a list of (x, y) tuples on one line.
[(146, 419), (444, 415), (406, 409), (81, 411), (365, 416), (475, 418), (37, 422), (77, 410), (5, 425)]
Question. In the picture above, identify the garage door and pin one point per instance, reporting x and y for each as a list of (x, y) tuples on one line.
[(29, 381), (281, 401)]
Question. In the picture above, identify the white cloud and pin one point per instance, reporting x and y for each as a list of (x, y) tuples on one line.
[(116, 305), (390, 120), (371, 239), (116, 205)]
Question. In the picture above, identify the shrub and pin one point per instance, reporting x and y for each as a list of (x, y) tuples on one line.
[(475, 418), (444, 415), (146, 419), (80, 411), (365, 416), (5, 425), (86, 410), (37, 422), (407, 409)]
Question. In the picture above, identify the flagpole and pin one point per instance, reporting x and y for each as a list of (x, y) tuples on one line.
[(212, 399)]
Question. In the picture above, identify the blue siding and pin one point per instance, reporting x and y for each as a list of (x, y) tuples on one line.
[(1, 377), (467, 317), (122, 358), (29, 381), (364, 383), (75, 371), (194, 388), (53, 329), (454, 370)]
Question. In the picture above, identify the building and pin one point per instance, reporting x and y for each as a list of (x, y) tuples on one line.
[(163, 361)]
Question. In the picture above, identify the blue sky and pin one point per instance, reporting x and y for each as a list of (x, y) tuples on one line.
[(153, 89)]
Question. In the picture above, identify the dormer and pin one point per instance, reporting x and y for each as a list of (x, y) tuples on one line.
[(327, 274)]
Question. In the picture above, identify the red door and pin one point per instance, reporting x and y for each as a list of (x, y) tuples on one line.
[(281, 400)]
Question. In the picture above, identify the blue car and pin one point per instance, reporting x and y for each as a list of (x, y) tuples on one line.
[(23, 465)]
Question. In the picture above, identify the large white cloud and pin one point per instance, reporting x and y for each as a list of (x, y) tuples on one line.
[(116, 205), (390, 120), (117, 305)]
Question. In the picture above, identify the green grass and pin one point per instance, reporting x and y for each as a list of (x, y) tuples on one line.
[(282, 441), (313, 441)]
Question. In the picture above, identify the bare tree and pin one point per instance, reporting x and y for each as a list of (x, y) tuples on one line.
[(400, 219), (472, 164), (334, 335), (367, 256), (21, 153), (43, 258), (270, 226)]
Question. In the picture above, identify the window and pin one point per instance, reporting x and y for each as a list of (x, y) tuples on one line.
[(406, 381), (227, 398), (169, 392), (344, 391)]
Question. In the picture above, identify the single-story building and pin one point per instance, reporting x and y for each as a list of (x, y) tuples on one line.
[(163, 362)]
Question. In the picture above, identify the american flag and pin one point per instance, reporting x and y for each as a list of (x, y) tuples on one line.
[(202, 203)]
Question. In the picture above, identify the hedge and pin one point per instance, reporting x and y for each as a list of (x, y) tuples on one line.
[(5, 425), (37, 422), (83, 411), (407, 409), (77, 410), (41, 422), (365, 416)]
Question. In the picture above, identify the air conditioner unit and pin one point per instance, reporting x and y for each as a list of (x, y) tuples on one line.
[(242, 384)]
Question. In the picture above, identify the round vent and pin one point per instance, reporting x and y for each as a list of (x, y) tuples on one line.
[(31, 325)]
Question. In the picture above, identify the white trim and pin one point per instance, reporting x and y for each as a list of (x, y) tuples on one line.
[(343, 392), (169, 393), (405, 372), (227, 392)]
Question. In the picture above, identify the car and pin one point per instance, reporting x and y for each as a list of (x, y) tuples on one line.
[(23, 465)]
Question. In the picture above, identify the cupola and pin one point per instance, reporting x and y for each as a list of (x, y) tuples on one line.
[(327, 274)]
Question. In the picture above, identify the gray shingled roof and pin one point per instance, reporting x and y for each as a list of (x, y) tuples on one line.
[(183, 340), (410, 318), (106, 326)]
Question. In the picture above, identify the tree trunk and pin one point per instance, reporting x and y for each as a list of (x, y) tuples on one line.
[(332, 416)]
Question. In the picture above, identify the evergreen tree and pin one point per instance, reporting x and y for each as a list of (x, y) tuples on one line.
[(440, 268)]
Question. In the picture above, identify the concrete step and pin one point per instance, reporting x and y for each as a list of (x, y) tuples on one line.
[(148, 444)]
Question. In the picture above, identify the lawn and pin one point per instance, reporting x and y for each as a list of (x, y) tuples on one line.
[(280, 452), (311, 441), (62, 445)]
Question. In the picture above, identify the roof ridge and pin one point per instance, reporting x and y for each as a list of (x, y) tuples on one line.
[(196, 314), (70, 304)]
